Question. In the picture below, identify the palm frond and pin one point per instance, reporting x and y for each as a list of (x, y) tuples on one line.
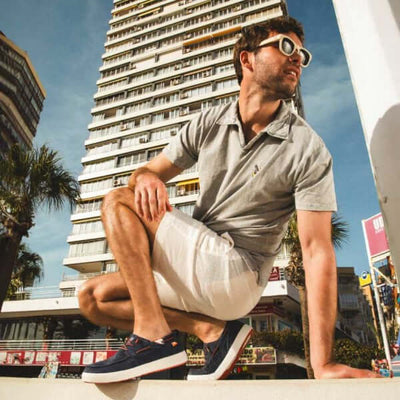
[(29, 266), (31, 179), (340, 231)]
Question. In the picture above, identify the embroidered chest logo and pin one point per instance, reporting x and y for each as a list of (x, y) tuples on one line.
[(255, 171)]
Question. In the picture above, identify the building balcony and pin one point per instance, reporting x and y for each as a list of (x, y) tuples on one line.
[(187, 174), (208, 10), (110, 172), (83, 237), (181, 69), (135, 12), (165, 107), (164, 91), (67, 279), (50, 304), (95, 193), (139, 58), (84, 216), (90, 263), (138, 38), (125, 150), (184, 58), (95, 138), (281, 288)]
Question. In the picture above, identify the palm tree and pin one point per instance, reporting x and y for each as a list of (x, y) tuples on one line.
[(29, 179), (296, 276), (28, 267)]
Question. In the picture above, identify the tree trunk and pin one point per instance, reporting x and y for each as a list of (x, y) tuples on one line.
[(8, 255), (306, 330)]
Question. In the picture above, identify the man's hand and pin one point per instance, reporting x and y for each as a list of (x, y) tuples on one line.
[(151, 197), (341, 371)]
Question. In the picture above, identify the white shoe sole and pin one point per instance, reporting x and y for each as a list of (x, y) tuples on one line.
[(230, 359), (132, 373)]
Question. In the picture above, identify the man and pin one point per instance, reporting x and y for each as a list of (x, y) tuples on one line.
[(258, 162)]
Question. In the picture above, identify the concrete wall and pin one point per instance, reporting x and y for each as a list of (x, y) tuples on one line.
[(39, 389)]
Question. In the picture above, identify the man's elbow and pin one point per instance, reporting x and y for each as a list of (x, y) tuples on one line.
[(318, 253)]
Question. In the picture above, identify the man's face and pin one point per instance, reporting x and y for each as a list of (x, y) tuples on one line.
[(275, 73)]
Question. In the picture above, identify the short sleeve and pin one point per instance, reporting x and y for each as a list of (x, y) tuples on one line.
[(183, 149), (315, 189)]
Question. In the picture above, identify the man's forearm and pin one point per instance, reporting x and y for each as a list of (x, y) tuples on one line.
[(321, 283)]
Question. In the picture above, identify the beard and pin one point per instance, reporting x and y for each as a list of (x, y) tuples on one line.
[(274, 84), (277, 88)]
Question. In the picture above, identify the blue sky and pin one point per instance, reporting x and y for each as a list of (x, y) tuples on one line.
[(65, 39)]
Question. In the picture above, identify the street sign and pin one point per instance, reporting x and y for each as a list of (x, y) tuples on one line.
[(365, 279)]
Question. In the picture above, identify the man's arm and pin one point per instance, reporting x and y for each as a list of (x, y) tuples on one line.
[(151, 197), (321, 282)]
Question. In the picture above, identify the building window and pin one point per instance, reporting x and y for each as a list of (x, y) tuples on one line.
[(132, 159), (87, 248)]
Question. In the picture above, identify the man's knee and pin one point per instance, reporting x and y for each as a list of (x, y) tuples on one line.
[(86, 298), (116, 197)]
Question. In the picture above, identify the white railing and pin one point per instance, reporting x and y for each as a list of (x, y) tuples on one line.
[(61, 344), (43, 292), (81, 277)]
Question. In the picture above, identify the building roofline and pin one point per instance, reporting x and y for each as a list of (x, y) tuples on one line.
[(24, 54)]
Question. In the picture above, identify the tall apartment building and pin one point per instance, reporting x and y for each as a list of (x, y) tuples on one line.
[(21, 96), (164, 61)]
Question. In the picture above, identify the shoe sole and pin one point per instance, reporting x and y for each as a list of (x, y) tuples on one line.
[(230, 359), (162, 364)]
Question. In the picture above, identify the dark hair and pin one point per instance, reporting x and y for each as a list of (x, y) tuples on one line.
[(252, 35)]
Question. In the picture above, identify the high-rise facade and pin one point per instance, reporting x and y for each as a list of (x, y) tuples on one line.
[(164, 61), (21, 96)]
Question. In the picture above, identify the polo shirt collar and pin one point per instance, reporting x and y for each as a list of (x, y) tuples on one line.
[(278, 128)]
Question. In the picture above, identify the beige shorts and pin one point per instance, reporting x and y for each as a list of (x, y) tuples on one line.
[(196, 270)]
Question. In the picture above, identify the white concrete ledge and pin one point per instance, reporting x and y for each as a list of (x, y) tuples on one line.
[(64, 389)]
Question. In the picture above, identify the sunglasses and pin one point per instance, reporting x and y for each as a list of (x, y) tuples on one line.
[(287, 47)]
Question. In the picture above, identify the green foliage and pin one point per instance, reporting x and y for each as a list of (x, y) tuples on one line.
[(294, 270), (28, 266), (356, 355), (346, 351), (193, 343), (14, 285), (286, 340), (30, 179)]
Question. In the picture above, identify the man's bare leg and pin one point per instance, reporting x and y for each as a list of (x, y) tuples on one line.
[(130, 238), (132, 301), (105, 301)]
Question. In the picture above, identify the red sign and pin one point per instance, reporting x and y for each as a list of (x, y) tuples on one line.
[(375, 236), (266, 309), (274, 276)]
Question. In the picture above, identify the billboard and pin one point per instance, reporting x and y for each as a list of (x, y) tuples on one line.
[(375, 236)]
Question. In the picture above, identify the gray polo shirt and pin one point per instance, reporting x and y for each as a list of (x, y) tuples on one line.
[(250, 190)]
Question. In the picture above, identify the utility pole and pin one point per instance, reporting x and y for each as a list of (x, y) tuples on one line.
[(381, 317)]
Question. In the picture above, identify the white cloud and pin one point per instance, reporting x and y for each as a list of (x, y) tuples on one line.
[(328, 96)]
